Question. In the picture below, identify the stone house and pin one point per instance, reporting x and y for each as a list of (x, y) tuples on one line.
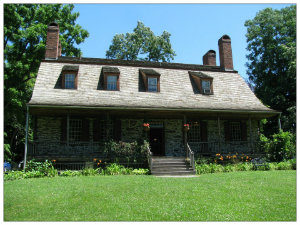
[(79, 103)]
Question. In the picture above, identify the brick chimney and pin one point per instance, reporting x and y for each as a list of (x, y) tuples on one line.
[(225, 53), (209, 59), (53, 47)]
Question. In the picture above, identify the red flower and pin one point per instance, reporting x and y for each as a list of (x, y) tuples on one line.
[(186, 125), (146, 125)]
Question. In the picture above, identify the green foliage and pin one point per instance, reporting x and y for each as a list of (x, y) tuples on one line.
[(45, 168), (142, 44), (123, 152), (115, 169), (271, 37), (70, 173), (280, 146), (140, 171), (243, 166), (25, 30)]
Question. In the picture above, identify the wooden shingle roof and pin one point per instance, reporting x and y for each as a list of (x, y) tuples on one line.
[(176, 92)]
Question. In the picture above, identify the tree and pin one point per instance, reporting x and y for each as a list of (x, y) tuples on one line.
[(271, 38), (25, 31), (142, 44)]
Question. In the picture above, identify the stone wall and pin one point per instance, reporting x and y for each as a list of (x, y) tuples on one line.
[(49, 132)]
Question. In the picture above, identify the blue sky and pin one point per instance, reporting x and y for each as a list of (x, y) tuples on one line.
[(194, 28)]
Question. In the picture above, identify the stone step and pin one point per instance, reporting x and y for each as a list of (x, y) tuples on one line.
[(173, 170), (174, 173), (170, 166)]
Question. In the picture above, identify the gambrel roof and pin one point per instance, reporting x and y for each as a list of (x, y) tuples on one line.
[(230, 91)]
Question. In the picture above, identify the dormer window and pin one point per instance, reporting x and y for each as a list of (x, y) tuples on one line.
[(69, 77), (111, 76), (112, 82), (152, 84), (203, 82), (205, 86), (70, 81), (151, 80)]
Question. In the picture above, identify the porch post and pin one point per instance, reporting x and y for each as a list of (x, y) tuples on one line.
[(250, 130), (219, 129), (26, 138), (185, 137), (279, 122), (68, 130)]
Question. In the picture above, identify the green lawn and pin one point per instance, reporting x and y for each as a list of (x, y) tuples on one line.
[(236, 196)]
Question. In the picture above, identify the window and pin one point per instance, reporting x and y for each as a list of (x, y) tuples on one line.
[(69, 77), (194, 134), (235, 131), (152, 84), (70, 81), (150, 80), (75, 130), (112, 83), (110, 78), (205, 86), (201, 82)]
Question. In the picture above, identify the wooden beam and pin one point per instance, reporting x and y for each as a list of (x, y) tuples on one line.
[(219, 129), (26, 138), (68, 129), (185, 137), (250, 135)]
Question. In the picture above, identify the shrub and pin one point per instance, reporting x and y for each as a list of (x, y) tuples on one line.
[(285, 165), (281, 146), (91, 172), (229, 168), (70, 173), (124, 152), (202, 168), (115, 169), (244, 166), (46, 168), (140, 171)]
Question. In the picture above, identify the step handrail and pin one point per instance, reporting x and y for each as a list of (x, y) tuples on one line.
[(149, 156), (191, 156)]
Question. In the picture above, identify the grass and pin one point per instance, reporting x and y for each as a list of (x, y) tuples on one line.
[(236, 196)]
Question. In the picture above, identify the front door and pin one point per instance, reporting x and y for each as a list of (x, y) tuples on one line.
[(157, 141)]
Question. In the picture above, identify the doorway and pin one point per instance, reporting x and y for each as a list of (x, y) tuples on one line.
[(156, 137)]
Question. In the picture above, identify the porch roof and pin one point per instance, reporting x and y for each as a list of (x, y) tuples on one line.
[(230, 92)]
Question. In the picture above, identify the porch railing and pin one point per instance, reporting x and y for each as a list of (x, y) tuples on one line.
[(149, 156), (212, 148), (191, 156), (64, 148)]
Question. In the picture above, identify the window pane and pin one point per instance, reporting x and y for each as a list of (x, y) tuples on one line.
[(205, 85), (70, 81), (111, 82), (152, 84), (235, 131), (75, 129), (194, 134)]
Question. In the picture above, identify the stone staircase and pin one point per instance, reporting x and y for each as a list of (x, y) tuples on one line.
[(170, 166)]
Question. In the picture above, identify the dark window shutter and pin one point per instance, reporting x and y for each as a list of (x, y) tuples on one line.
[(117, 130), (226, 131), (203, 131), (63, 126), (244, 131), (85, 132)]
